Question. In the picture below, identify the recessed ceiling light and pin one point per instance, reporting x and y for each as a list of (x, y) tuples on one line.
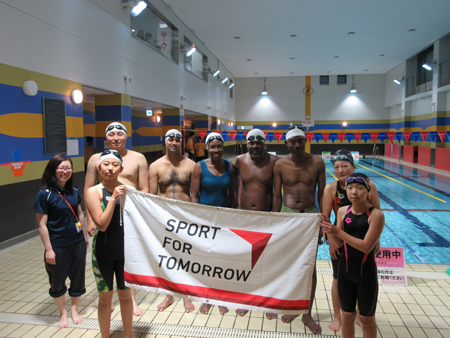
[(237, 37), (249, 59), (381, 54), (336, 57), (328, 71), (293, 36), (256, 73), (366, 70), (292, 58), (351, 33), (412, 30), (292, 72)]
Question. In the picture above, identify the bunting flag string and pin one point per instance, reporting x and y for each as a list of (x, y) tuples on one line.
[(398, 136), (433, 135), (442, 135), (350, 137), (415, 135), (406, 135), (232, 135), (225, 135), (309, 136), (278, 136), (424, 135), (269, 136), (240, 134), (357, 137), (374, 137), (365, 137), (318, 137), (341, 137), (333, 137), (325, 136), (382, 137), (390, 136), (202, 134)]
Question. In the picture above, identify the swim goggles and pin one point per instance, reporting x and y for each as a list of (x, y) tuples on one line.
[(174, 135), (342, 157), (253, 137), (105, 153), (215, 138), (116, 126), (357, 179)]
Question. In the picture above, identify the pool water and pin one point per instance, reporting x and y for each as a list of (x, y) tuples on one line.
[(416, 206)]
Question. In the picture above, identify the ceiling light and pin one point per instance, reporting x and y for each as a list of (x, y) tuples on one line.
[(231, 85), (427, 66), (344, 124), (158, 118), (231, 124), (293, 36), (191, 51), (412, 30), (225, 80), (381, 54), (264, 92), (138, 8), (336, 57), (216, 73), (77, 96), (218, 121), (237, 37), (249, 59), (353, 90), (274, 124), (397, 81), (351, 33)]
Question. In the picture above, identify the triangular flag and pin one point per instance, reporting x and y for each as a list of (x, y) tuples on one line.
[(309, 136), (258, 240), (225, 135), (278, 136), (333, 137), (365, 137), (406, 135), (357, 136), (265, 135), (318, 137), (374, 137), (448, 136), (283, 137), (325, 136), (232, 135), (442, 135), (398, 136), (341, 136), (424, 135), (390, 136), (245, 134), (209, 132), (269, 136), (350, 137), (218, 131), (415, 135), (240, 134), (202, 134), (433, 135), (382, 137)]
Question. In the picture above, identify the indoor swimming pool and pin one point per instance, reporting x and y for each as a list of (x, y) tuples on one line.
[(416, 205)]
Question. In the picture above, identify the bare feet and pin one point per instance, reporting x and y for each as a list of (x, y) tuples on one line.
[(76, 318), (205, 308), (137, 311), (165, 303), (288, 318), (112, 306), (188, 306), (223, 309), (311, 324), (241, 312), (63, 320), (358, 321), (271, 316), (335, 325)]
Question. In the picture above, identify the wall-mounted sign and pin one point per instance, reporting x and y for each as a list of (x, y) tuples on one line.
[(149, 112)]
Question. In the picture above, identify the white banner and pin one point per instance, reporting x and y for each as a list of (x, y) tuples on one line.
[(250, 260)]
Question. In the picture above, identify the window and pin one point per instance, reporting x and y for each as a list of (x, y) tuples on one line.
[(153, 29), (324, 79), (196, 63), (342, 79)]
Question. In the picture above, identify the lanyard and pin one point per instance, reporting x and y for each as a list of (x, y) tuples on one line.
[(78, 221)]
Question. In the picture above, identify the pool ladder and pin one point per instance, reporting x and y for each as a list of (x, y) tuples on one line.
[(376, 152)]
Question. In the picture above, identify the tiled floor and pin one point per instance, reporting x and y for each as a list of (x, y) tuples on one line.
[(421, 309)]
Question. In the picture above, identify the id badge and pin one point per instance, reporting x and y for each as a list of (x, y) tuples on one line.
[(78, 226)]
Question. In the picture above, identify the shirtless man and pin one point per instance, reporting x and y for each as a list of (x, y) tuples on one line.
[(298, 173), (255, 168), (172, 174), (134, 174)]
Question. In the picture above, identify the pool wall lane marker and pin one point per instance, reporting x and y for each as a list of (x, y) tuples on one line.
[(403, 183)]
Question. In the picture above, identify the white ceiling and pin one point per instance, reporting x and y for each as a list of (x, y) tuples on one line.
[(321, 28)]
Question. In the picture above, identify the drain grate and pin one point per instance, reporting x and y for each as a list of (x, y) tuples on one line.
[(162, 329)]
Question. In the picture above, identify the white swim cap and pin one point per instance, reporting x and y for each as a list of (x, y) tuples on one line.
[(116, 126), (213, 136), (255, 133), (174, 133), (112, 154), (295, 132)]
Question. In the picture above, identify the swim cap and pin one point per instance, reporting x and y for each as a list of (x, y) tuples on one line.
[(213, 136), (116, 126), (256, 134), (174, 133), (294, 132), (112, 154), (343, 155), (358, 178)]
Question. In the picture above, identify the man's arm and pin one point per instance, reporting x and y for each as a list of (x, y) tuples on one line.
[(321, 183), (276, 205), (143, 174), (89, 181), (153, 179)]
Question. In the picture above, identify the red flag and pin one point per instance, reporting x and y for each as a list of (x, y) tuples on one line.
[(406, 135), (265, 135), (391, 135), (424, 135), (278, 136), (232, 134), (309, 136), (202, 133), (374, 137), (341, 136), (325, 136), (358, 136), (442, 135), (245, 133)]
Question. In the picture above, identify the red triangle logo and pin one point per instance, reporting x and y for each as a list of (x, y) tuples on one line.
[(258, 240)]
